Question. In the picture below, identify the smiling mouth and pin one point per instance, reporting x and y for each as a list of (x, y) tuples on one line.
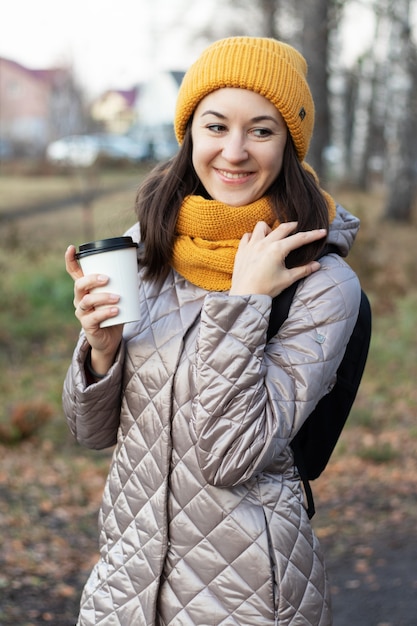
[(233, 175)]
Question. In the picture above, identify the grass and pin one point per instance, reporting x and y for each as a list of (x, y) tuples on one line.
[(384, 453), (37, 324), (38, 331)]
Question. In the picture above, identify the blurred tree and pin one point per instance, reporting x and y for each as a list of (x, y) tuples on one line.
[(366, 102), (269, 11), (370, 111), (307, 26), (381, 98), (401, 123), (320, 20), (315, 46)]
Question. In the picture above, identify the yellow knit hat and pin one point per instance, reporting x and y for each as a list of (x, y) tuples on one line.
[(271, 68)]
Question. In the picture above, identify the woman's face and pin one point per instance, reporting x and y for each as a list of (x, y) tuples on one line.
[(238, 145)]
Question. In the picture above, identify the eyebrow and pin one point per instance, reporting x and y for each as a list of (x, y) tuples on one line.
[(258, 118)]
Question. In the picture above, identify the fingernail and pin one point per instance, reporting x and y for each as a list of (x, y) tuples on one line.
[(101, 278)]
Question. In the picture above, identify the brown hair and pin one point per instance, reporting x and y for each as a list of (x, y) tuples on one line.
[(295, 195)]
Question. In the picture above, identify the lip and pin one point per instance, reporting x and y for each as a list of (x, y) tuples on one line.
[(233, 177)]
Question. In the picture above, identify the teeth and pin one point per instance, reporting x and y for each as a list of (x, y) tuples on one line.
[(231, 175)]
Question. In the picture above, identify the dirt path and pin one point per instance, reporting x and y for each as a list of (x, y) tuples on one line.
[(378, 589), (57, 204), (48, 529)]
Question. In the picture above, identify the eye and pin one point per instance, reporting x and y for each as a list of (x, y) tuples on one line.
[(261, 133), (216, 128)]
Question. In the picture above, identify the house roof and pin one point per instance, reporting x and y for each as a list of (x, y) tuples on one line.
[(178, 76), (51, 76), (128, 94)]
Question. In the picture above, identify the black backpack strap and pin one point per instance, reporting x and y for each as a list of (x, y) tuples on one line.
[(302, 470), (279, 313), (279, 309), (281, 304)]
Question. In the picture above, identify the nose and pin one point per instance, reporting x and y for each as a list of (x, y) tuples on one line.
[(234, 148)]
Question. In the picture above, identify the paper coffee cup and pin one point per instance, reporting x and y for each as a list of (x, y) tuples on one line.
[(116, 258)]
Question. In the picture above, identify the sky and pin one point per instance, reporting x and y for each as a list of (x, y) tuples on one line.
[(109, 43), (119, 43)]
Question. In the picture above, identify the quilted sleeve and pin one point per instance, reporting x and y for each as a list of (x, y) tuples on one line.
[(93, 412), (253, 397)]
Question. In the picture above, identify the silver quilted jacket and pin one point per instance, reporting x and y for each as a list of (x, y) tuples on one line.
[(202, 520)]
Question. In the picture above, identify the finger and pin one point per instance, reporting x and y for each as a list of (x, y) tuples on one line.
[(90, 301), (71, 264), (246, 238), (284, 230), (261, 230), (292, 242), (297, 273), (303, 271), (92, 318), (81, 308), (85, 284)]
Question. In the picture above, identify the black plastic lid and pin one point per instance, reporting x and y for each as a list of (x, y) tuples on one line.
[(106, 245)]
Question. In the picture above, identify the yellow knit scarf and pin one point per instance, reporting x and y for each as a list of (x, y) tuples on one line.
[(208, 235)]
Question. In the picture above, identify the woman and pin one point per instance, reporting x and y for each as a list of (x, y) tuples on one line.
[(203, 520)]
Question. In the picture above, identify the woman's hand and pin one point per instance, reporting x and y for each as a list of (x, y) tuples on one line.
[(260, 260), (104, 342)]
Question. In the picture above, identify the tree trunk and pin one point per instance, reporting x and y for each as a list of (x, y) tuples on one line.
[(315, 40), (269, 9), (402, 120)]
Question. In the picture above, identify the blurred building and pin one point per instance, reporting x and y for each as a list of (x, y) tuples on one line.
[(158, 96), (115, 110), (155, 109), (37, 106)]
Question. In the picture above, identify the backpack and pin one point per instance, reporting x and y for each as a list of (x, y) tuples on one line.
[(314, 443)]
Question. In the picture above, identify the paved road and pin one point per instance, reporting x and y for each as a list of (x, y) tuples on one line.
[(56, 204), (379, 590)]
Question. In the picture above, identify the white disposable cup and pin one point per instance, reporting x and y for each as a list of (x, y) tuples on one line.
[(117, 259)]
